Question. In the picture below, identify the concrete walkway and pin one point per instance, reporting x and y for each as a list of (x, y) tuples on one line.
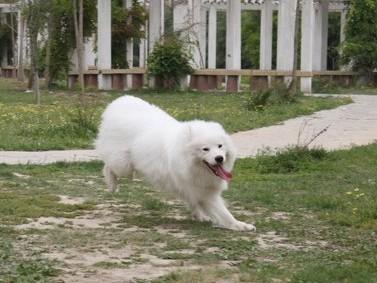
[(353, 124)]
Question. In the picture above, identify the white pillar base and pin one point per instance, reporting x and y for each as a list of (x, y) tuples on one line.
[(104, 82), (306, 85)]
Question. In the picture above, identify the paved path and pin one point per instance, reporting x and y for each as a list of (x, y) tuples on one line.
[(353, 124)]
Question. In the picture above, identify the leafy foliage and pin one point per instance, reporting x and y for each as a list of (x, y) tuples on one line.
[(360, 47), (170, 60), (5, 38), (126, 24)]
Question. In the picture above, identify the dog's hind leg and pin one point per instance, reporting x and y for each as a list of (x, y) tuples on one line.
[(110, 179)]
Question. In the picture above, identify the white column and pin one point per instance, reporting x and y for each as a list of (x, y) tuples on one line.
[(233, 35), (104, 42), (212, 37), (195, 33), (307, 43), (265, 60), (156, 22), (90, 56), (325, 34), (321, 34), (130, 47), (203, 36), (286, 33)]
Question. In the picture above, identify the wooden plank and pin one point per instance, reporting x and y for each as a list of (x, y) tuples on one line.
[(124, 71)]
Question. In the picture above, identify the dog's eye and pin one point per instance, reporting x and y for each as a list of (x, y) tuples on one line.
[(206, 149), (220, 145)]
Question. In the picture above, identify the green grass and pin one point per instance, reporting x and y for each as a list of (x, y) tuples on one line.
[(315, 211), (328, 87), (61, 123)]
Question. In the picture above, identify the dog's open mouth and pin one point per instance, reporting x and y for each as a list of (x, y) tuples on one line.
[(219, 171)]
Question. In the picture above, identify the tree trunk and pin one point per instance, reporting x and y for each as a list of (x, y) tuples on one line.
[(79, 41), (34, 67), (20, 51), (50, 30), (294, 83)]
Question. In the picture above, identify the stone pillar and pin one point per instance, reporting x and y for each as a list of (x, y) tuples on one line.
[(104, 42), (156, 22), (265, 61), (130, 47), (307, 43), (233, 42), (21, 39), (212, 37), (286, 32), (90, 56), (321, 34), (195, 33), (325, 34), (203, 37)]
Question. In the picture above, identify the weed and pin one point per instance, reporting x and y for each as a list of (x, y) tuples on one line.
[(290, 160)]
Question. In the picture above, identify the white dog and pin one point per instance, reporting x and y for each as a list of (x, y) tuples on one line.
[(192, 159)]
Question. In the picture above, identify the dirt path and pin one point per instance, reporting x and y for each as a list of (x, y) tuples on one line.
[(353, 124)]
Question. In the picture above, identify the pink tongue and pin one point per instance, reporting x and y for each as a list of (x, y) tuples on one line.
[(223, 174)]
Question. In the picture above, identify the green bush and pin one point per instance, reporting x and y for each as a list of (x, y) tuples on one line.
[(170, 61), (290, 160)]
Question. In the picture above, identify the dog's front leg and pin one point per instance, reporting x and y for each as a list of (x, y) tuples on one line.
[(221, 216)]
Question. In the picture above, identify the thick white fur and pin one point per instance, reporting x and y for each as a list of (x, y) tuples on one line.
[(137, 136)]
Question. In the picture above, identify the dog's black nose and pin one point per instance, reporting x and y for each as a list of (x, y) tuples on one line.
[(219, 159)]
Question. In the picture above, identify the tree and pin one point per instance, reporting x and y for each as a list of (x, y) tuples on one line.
[(360, 46), (79, 35), (36, 11)]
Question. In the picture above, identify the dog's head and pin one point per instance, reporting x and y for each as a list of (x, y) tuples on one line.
[(211, 147)]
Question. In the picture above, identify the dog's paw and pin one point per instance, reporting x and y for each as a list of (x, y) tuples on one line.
[(242, 226), (201, 217)]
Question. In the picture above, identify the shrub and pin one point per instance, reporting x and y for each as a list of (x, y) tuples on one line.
[(279, 94), (170, 61), (290, 160)]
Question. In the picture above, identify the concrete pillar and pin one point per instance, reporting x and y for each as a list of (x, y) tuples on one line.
[(286, 32), (196, 33), (321, 34), (233, 42), (21, 38), (104, 42), (212, 37), (156, 22), (325, 34), (265, 60), (130, 47), (90, 56), (203, 37), (307, 43)]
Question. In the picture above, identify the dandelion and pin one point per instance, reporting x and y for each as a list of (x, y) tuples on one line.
[(357, 189), (348, 193)]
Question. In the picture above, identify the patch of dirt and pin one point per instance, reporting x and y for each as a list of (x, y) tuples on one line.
[(280, 215), (103, 216), (71, 200), (271, 240), (81, 266)]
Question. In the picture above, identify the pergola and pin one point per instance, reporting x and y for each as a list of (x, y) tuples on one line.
[(197, 20)]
